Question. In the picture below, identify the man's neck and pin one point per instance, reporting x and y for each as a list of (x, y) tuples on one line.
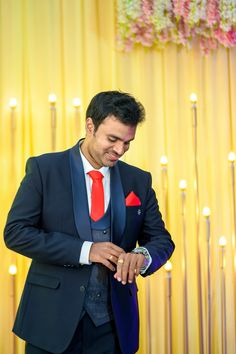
[(89, 158)]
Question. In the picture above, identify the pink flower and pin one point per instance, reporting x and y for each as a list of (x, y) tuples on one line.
[(228, 39), (213, 15), (143, 32), (184, 32), (164, 36), (186, 9), (178, 8), (147, 7), (231, 37)]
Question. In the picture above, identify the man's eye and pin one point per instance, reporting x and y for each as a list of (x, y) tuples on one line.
[(112, 140)]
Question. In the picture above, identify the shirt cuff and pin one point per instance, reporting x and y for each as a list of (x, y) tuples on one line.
[(148, 258), (84, 254)]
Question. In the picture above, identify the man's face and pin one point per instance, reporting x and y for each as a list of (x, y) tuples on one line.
[(108, 143)]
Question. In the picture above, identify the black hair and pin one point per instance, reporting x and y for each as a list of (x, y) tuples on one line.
[(115, 103)]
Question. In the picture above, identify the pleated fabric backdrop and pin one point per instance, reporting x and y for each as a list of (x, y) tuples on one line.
[(68, 47)]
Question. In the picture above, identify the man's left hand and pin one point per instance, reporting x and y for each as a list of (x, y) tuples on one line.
[(128, 267)]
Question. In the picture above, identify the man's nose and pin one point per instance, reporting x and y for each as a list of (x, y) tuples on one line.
[(119, 148)]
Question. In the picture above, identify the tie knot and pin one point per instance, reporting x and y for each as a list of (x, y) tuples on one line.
[(95, 175)]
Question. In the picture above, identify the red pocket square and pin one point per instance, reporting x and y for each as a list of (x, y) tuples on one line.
[(132, 200)]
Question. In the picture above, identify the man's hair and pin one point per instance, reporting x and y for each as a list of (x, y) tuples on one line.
[(115, 103)]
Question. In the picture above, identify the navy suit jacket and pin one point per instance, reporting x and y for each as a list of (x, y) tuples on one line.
[(49, 221)]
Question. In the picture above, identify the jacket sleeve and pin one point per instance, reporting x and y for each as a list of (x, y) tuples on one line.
[(23, 233), (154, 236)]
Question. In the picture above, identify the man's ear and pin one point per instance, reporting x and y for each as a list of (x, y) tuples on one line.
[(89, 126)]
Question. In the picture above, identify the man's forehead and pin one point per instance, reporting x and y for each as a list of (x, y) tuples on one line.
[(111, 120)]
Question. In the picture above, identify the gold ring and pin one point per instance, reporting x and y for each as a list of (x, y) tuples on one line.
[(110, 257), (121, 261)]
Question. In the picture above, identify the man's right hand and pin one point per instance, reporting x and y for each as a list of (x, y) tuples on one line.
[(106, 253)]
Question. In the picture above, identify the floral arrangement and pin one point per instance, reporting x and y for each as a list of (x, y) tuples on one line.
[(156, 22)]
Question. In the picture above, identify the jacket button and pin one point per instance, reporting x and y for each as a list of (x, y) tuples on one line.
[(82, 289), (104, 231)]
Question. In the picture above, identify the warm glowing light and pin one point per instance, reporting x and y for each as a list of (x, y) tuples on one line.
[(12, 103), (222, 241), (163, 160), (76, 102), (206, 212), (193, 98), (231, 156), (12, 269), (168, 266), (182, 184), (52, 98)]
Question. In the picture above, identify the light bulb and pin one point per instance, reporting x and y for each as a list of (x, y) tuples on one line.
[(12, 103), (12, 269), (182, 184), (168, 266), (193, 97), (76, 102), (206, 212), (163, 160), (222, 241), (231, 156), (52, 98)]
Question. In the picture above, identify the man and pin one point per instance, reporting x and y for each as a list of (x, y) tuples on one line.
[(79, 215)]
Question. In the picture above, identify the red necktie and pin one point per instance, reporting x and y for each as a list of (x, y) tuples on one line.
[(97, 195)]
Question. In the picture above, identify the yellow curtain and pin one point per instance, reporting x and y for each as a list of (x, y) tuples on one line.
[(68, 47)]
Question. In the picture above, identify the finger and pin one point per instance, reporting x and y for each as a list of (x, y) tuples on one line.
[(120, 262), (133, 269), (113, 254), (125, 268), (108, 264), (113, 259), (105, 257)]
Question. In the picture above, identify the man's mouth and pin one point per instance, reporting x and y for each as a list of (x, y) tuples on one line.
[(113, 158)]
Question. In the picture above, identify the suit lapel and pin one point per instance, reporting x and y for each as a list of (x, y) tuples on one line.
[(80, 202), (118, 210)]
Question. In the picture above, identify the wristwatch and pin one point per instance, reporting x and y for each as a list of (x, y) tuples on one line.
[(148, 258)]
